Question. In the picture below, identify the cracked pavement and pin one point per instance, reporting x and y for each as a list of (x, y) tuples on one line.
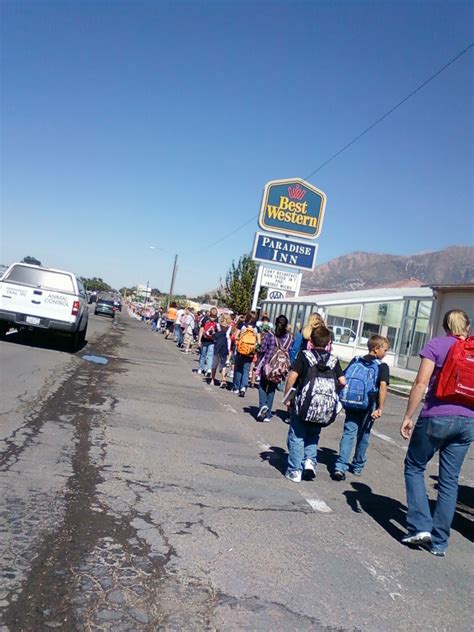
[(134, 496)]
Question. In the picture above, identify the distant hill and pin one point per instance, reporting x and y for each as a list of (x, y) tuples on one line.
[(364, 270)]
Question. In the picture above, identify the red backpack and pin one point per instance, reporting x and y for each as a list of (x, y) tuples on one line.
[(209, 329), (455, 382)]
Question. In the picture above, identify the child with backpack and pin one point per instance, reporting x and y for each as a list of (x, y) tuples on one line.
[(221, 350), (275, 365), (246, 345), (315, 379), (363, 399), (207, 333)]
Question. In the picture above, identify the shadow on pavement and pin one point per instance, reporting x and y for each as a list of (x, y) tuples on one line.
[(328, 457), (276, 457), (384, 510), (40, 340)]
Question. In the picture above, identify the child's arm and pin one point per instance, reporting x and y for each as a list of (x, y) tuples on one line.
[(382, 397), (342, 380), (290, 382)]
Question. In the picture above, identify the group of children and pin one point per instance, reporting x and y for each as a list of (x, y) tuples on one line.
[(315, 384), (316, 388)]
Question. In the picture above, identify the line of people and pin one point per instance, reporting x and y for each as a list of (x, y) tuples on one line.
[(316, 388)]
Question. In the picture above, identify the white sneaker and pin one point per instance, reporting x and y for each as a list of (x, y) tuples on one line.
[(294, 477), (422, 537), (309, 471), (199, 371), (262, 412)]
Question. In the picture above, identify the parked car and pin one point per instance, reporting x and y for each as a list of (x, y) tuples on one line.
[(38, 298), (105, 306)]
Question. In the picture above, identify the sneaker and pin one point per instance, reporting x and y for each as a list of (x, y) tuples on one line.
[(339, 476), (309, 471), (435, 552), (422, 537), (235, 390), (262, 412), (208, 374), (294, 476), (242, 393), (199, 371), (267, 420), (357, 472), (223, 384)]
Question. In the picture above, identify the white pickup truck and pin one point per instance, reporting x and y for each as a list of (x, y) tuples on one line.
[(38, 298)]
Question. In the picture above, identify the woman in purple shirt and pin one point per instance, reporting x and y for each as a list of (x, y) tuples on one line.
[(444, 427)]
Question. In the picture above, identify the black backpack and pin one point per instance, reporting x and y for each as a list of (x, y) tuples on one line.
[(317, 400)]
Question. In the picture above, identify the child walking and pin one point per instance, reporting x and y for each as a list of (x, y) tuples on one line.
[(221, 350), (317, 377), (363, 399)]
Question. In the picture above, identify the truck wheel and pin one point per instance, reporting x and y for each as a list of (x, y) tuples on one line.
[(74, 340), (82, 336)]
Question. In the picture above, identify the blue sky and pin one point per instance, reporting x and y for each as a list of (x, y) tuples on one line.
[(130, 124)]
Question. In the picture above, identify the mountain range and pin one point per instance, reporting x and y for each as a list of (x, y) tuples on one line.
[(364, 270)]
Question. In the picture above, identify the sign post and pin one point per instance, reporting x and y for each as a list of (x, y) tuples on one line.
[(258, 285)]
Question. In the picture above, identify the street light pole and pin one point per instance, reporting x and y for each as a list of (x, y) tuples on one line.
[(173, 277)]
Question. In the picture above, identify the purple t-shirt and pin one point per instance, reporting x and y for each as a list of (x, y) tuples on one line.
[(437, 350)]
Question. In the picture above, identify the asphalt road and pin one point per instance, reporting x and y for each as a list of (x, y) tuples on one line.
[(135, 496)]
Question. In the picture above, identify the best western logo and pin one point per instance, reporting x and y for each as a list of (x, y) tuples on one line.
[(284, 211)]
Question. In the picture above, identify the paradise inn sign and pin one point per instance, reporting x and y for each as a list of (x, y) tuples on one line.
[(292, 207)]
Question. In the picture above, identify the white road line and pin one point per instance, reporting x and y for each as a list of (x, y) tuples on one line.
[(379, 435), (317, 504), (231, 410)]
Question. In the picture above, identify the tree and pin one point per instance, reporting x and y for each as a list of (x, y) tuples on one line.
[(95, 283), (32, 260), (237, 291)]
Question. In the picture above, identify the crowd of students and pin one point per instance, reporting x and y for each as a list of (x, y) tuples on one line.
[(256, 352)]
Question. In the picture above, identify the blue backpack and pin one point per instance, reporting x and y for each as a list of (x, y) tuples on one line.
[(361, 376)]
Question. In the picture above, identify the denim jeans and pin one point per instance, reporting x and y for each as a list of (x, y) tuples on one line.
[(154, 325), (266, 394), (451, 436), (303, 438), (206, 356), (357, 426), (179, 335), (241, 372)]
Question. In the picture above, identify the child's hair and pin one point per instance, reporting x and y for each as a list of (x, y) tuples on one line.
[(314, 320), (320, 337), (281, 326), (374, 342), (225, 320), (250, 318), (213, 312), (456, 322), (173, 304)]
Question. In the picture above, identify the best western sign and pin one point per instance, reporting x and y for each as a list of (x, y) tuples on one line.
[(292, 207)]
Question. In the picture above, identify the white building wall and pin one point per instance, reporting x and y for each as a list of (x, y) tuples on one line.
[(447, 299)]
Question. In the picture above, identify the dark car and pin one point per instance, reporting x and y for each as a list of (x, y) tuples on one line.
[(105, 306)]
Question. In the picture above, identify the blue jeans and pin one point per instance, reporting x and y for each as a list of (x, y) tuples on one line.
[(179, 335), (241, 372), (154, 325), (266, 395), (206, 356), (303, 438), (357, 426), (452, 436)]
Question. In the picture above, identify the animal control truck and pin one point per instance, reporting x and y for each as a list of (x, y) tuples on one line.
[(38, 298)]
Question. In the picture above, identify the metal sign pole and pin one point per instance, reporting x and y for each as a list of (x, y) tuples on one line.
[(256, 292), (298, 284)]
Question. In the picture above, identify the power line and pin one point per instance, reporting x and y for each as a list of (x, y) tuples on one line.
[(358, 137)]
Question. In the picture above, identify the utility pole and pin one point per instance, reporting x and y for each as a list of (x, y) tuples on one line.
[(173, 277)]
